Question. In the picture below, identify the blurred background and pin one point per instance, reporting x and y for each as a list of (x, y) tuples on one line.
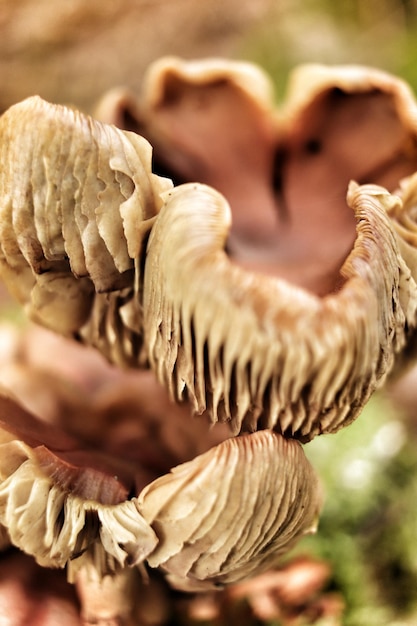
[(72, 51)]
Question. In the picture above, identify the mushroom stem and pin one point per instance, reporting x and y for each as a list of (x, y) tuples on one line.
[(107, 601)]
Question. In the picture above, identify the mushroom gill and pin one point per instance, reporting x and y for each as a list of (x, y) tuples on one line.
[(226, 514), (258, 351), (77, 199), (62, 505), (404, 217), (231, 512)]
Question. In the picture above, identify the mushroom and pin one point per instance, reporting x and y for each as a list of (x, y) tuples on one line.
[(101, 511), (255, 349), (231, 512), (273, 306), (69, 247), (210, 281), (64, 505), (270, 259)]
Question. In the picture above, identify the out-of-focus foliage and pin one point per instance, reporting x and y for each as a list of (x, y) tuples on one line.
[(368, 529), (381, 33), (72, 51)]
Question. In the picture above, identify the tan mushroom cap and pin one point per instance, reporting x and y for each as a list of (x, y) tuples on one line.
[(77, 198), (67, 508), (256, 350), (59, 506), (231, 512)]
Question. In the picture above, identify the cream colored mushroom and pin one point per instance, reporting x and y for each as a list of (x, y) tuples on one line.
[(274, 317), (258, 351), (225, 515), (231, 512), (62, 505), (66, 508), (77, 200)]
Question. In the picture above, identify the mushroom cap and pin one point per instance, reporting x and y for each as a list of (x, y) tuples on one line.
[(231, 512), (297, 335), (256, 350), (248, 77), (77, 198), (220, 517), (214, 122), (64, 506)]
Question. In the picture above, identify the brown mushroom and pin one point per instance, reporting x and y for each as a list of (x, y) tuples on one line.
[(258, 299), (82, 507), (78, 198)]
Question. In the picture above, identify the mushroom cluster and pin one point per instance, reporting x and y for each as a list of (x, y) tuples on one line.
[(260, 264)]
